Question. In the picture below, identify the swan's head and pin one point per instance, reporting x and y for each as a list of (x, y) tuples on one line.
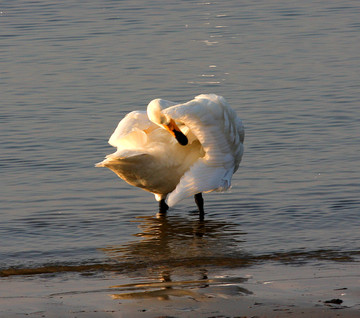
[(155, 114)]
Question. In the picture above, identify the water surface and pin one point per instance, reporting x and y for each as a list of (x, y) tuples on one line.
[(70, 71)]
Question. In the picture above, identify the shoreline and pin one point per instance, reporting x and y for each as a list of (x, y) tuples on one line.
[(331, 290)]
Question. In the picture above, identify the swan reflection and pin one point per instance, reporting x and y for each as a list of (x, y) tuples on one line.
[(176, 255)]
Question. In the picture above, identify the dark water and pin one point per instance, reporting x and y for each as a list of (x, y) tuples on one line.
[(71, 70)]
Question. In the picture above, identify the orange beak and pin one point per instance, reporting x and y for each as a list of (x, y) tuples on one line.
[(176, 132)]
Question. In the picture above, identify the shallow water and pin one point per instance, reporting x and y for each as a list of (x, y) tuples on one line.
[(69, 73)]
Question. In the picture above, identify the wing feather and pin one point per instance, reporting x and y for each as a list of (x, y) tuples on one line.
[(221, 134), (200, 178), (132, 121)]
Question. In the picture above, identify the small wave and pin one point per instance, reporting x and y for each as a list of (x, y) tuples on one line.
[(232, 261)]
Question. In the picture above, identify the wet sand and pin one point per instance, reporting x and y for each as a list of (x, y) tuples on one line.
[(261, 291)]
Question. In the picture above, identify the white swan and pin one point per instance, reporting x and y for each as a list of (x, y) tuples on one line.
[(178, 150)]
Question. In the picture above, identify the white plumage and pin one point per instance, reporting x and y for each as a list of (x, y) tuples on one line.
[(148, 156)]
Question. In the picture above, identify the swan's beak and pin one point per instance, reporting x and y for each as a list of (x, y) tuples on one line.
[(176, 132)]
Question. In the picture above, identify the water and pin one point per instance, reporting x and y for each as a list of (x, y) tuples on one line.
[(71, 70)]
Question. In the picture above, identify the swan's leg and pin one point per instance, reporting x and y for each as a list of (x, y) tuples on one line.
[(163, 207), (200, 204)]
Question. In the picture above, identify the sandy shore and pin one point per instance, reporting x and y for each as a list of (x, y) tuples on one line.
[(262, 291)]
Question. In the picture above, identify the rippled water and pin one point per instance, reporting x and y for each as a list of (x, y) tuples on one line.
[(71, 70)]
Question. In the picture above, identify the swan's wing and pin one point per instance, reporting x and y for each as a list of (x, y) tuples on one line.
[(122, 156), (221, 134), (200, 178), (128, 137), (136, 120)]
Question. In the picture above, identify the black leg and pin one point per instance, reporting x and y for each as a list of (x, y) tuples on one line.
[(163, 207), (200, 204)]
